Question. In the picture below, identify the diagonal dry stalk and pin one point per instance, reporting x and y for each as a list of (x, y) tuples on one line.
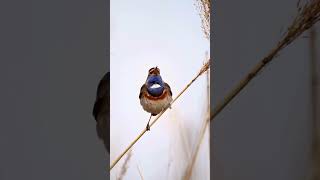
[(308, 15), (204, 68)]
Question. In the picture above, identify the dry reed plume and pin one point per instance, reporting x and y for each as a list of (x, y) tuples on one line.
[(204, 9), (308, 15)]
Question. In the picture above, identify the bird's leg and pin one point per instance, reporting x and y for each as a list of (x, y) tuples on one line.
[(148, 126)]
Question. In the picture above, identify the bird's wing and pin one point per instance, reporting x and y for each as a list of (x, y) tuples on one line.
[(143, 88), (167, 86)]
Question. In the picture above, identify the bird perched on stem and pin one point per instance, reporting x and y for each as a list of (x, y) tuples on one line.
[(101, 110), (155, 95)]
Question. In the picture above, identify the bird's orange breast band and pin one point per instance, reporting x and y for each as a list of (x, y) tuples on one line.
[(163, 95)]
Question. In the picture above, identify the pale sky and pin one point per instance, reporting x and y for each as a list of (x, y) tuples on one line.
[(166, 34)]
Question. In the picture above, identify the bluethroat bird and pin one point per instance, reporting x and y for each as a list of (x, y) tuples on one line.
[(155, 95), (101, 110)]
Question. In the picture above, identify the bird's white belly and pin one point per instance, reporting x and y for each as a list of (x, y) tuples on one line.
[(155, 106)]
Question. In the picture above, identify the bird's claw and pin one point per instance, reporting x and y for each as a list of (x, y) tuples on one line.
[(148, 127)]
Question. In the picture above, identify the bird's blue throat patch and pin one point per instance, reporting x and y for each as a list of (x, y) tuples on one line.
[(155, 85)]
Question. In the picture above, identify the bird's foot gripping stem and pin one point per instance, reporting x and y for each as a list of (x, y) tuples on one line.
[(148, 127)]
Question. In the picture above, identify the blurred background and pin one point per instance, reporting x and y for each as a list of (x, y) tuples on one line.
[(167, 34), (54, 57), (266, 131)]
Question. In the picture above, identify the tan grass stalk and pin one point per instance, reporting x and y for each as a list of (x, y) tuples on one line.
[(204, 68), (308, 15)]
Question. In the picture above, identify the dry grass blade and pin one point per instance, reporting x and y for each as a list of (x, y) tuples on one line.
[(124, 166), (308, 15), (140, 173), (204, 68), (189, 169)]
